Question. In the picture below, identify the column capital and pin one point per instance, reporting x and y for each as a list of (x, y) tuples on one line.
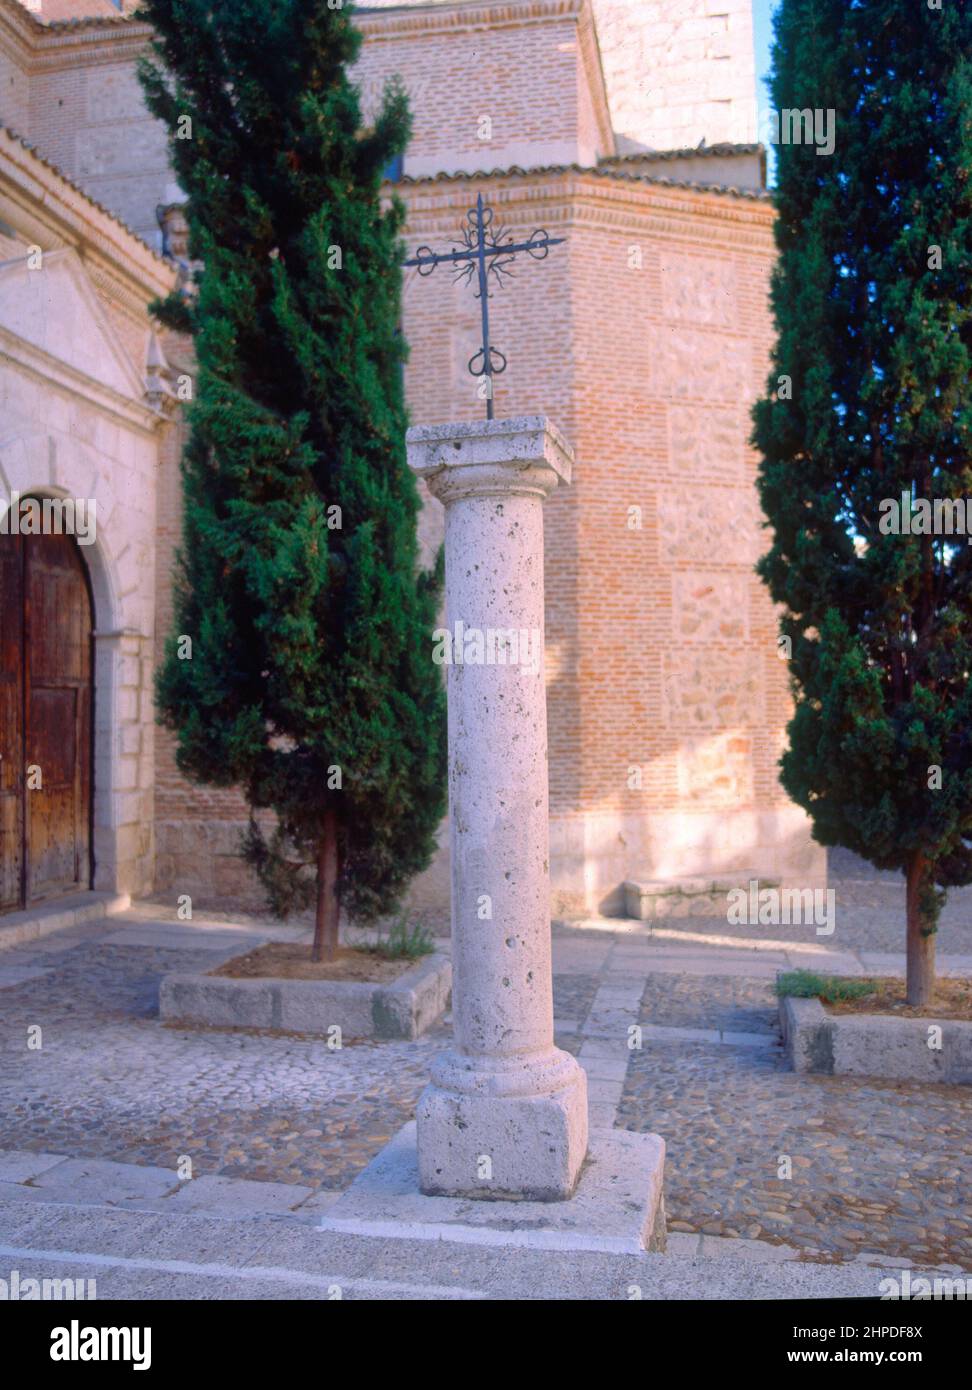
[(526, 455)]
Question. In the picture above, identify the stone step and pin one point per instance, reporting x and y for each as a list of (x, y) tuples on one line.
[(654, 899), (140, 1233), (74, 910), (192, 1255)]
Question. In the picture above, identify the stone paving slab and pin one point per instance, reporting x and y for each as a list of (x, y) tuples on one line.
[(237, 1197), (956, 965), (758, 1251), (126, 1233), (868, 917), (111, 1083), (76, 912), (656, 1033), (705, 966), (565, 1025), (21, 1192), (884, 963), (172, 937), (11, 975), (316, 1206), (831, 963), (603, 1068), (604, 1092), (20, 1165), (100, 1180), (614, 1207), (573, 994), (601, 1116), (137, 1255)]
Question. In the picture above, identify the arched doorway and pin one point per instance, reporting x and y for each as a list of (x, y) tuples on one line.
[(46, 624)]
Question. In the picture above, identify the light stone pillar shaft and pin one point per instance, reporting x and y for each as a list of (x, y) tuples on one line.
[(505, 1114)]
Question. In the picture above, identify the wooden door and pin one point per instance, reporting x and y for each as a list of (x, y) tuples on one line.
[(11, 723), (46, 801)]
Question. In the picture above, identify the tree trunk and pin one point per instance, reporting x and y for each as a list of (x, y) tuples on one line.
[(921, 942), (326, 918)]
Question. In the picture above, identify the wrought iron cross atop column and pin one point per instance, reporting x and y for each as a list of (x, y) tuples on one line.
[(485, 251)]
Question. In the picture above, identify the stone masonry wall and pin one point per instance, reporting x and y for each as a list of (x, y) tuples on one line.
[(676, 71), (645, 338), (56, 440)]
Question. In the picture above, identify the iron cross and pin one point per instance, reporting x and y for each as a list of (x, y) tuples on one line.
[(484, 252)]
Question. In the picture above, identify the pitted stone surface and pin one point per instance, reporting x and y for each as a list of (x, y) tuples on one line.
[(505, 1113), (617, 1204)]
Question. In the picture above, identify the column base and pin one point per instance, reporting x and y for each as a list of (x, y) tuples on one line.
[(617, 1207), (482, 1141)]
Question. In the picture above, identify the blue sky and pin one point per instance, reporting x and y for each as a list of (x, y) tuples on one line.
[(762, 14), (763, 11)]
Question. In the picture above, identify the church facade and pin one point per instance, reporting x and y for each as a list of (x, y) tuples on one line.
[(626, 129)]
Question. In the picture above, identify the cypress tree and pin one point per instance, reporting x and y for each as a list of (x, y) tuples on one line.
[(865, 428), (310, 683)]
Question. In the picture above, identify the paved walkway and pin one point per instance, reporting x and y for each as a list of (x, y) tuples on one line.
[(160, 1247), (876, 1169)]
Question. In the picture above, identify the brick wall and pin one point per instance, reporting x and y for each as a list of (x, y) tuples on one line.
[(645, 338), (14, 80), (675, 70), (493, 85), (88, 118)]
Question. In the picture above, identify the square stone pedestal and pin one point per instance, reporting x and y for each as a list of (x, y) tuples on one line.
[(512, 1148), (617, 1206)]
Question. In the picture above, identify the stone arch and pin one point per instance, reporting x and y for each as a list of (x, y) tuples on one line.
[(44, 465)]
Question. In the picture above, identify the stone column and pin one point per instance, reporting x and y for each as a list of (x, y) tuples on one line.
[(505, 1114)]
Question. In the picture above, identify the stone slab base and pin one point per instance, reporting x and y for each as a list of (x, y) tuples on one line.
[(403, 1009), (652, 900), (75, 910), (878, 1045), (617, 1206), (503, 1148)]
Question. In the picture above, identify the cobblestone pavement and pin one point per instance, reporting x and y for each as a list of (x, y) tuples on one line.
[(876, 1167), (717, 1002), (573, 996), (110, 1082)]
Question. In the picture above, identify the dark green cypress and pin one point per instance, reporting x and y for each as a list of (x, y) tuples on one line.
[(311, 683), (876, 339)]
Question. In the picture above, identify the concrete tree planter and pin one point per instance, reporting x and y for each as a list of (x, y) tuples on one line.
[(406, 1008), (877, 1045)]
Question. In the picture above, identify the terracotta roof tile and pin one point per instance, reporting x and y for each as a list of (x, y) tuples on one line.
[(605, 170), (76, 188)]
